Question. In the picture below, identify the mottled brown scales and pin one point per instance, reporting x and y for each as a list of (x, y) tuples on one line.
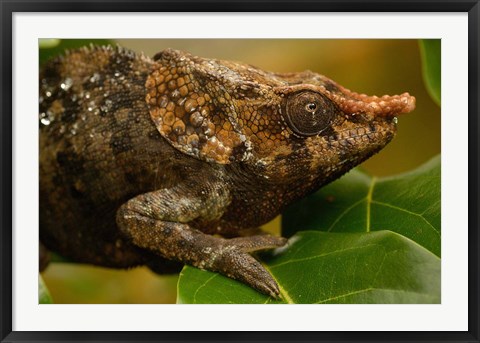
[(141, 159)]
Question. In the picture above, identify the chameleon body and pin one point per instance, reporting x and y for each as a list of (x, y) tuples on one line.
[(179, 159)]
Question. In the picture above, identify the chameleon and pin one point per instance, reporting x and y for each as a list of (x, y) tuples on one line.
[(179, 159)]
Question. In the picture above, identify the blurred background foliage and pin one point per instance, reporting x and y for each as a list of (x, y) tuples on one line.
[(374, 67), (430, 50)]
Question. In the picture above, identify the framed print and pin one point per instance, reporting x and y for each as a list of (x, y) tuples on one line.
[(309, 175)]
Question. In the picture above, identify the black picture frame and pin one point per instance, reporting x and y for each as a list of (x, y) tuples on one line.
[(8, 7)]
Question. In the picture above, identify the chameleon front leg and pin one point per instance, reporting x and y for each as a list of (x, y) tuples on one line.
[(159, 221)]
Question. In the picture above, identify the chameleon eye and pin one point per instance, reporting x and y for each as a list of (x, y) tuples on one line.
[(309, 113), (311, 107)]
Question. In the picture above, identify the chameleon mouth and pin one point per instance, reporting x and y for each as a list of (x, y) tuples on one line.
[(364, 131), (363, 136)]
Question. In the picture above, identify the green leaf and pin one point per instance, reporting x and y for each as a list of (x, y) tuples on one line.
[(430, 50), (321, 267), (53, 47), (44, 296), (408, 204)]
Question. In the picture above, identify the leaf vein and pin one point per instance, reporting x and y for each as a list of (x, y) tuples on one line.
[(319, 256), (371, 289), (409, 212), (201, 286), (341, 215), (369, 203)]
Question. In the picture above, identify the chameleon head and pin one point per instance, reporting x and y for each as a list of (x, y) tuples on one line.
[(288, 127), (331, 128)]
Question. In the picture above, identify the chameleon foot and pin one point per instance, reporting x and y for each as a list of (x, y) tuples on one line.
[(233, 260)]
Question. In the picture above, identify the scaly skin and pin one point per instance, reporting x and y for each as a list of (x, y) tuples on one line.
[(141, 159)]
